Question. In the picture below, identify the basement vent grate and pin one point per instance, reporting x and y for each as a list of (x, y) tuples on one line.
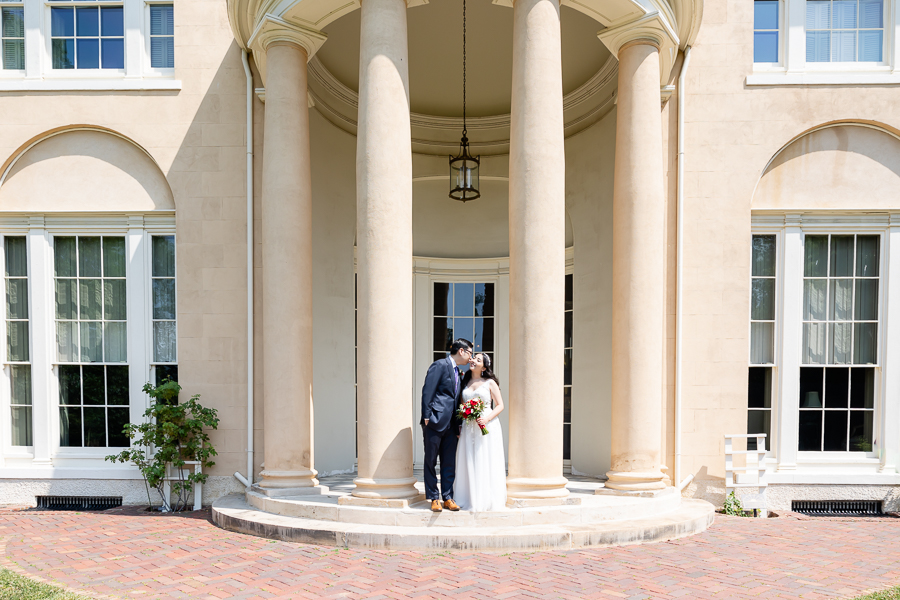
[(838, 508), (78, 502)]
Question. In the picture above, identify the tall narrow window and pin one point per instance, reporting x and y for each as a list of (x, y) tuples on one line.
[(162, 36), (567, 373), (840, 342), (91, 340), (463, 310), (762, 336), (18, 352), (164, 329), (844, 30), (87, 37), (12, 31), (766, 17)]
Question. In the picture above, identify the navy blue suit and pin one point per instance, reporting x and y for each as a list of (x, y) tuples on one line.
[(440, 399)]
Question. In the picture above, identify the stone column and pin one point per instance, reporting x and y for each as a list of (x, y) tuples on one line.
[(287, 260), (384, 259), (536, 255), (638, 260)]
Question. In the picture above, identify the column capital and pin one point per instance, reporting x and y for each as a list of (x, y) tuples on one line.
[(652, 29), (273, 30)]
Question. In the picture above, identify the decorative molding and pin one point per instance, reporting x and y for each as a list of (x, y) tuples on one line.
[(272, 29), (651, 27)]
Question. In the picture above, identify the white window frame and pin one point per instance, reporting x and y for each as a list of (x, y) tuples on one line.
[(39, 232), (793, 69), (137, 74), (782, 35), (792, 466), (13, 72)]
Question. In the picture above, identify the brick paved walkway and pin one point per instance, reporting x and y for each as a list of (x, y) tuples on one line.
[(124, 554)]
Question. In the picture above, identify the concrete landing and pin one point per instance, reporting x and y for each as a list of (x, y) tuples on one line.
[(597, 520)]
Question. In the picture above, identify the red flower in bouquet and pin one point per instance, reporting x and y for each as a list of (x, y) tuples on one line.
[(472, 411)]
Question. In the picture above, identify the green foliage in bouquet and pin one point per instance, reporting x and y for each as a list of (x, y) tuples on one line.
[(171, 434)]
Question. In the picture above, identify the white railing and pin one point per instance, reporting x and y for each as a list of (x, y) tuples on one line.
[(751, 475), (173, 475)]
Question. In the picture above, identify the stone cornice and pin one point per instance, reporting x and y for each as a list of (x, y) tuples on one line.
[(273, 30), (652, 28)]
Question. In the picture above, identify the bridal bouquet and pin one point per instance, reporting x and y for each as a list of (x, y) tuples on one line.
[(470, 410)]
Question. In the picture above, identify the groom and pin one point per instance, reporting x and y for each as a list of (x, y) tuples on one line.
[(440, 427)]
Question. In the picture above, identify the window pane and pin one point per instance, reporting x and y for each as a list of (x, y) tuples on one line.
[(865, 336), (844, 14), (113, 257), (814, 343), (64, 257), (21, 426), (14, 22), (117, 385), (16, 298), (871, 44), (114, 299), (840, 344), (841, 303), (94, 427), (88, 54), (841, 256), (87, 22), (835, 431), (811, 387), (91, 342), (464, 328), (162, 20), (14, 54), (111, 21), (762, 343), (66, 298), (866, 300), (91, 292), (762, 300), (113, 54), (814, 299), (567, 442), (765, 46), (765, 14), (567, 367), (62, 22), (759, 388), (810, 430), (463, 300), (69, 384), (164, 372), (478, 339), (479, 299), (67, 344), (862, 388), (93, 385), (115, 342), (759, 421), (16, 257), (63, 53), (443, 334), (867, 255), (17, 340), (163, 298), (443, 296), (818, 46), (818, 14), (815, 263), (89, 257), (488, 340), (567, 405), (488, 307), (20, 384), (162, 52), (861, 430), (164, 256), (568, 330), (118, 418), (837, 387), (164, 341), (843, 46), (871, 14), (70, 426)]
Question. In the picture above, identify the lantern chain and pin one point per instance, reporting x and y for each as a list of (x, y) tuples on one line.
[(464, 69)]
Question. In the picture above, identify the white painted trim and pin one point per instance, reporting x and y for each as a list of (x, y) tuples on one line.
[(116, 472), (845, 476), (830, 78), (890, 377), (93, 84), (788, 375)]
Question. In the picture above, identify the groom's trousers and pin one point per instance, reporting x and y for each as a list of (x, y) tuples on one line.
[(440, 444)]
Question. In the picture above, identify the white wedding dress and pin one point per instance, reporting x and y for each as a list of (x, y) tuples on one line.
[(480, 465)]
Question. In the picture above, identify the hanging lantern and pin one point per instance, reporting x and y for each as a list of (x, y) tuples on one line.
[(464, 183)]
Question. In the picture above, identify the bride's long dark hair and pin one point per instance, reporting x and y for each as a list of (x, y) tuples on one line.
[(487, 371)]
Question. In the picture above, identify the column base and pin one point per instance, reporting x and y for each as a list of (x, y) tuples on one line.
[(380, 502), (386, 489), (527, 488), (635, 481), (282, 480), (317, 490), (665, 491)]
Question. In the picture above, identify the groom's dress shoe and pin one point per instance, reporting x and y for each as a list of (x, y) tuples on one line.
[(436, 506), (449, 504)]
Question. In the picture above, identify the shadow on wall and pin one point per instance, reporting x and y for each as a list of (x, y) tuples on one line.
[(837, 166), (60, 171)]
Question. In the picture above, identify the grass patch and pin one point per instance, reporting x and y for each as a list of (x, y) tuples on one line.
[(17, 587), (889, 594)]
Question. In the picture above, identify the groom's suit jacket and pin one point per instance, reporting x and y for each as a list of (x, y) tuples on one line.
[(440, 395)]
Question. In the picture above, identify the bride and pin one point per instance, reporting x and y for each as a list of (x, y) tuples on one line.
[(480, 466)]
